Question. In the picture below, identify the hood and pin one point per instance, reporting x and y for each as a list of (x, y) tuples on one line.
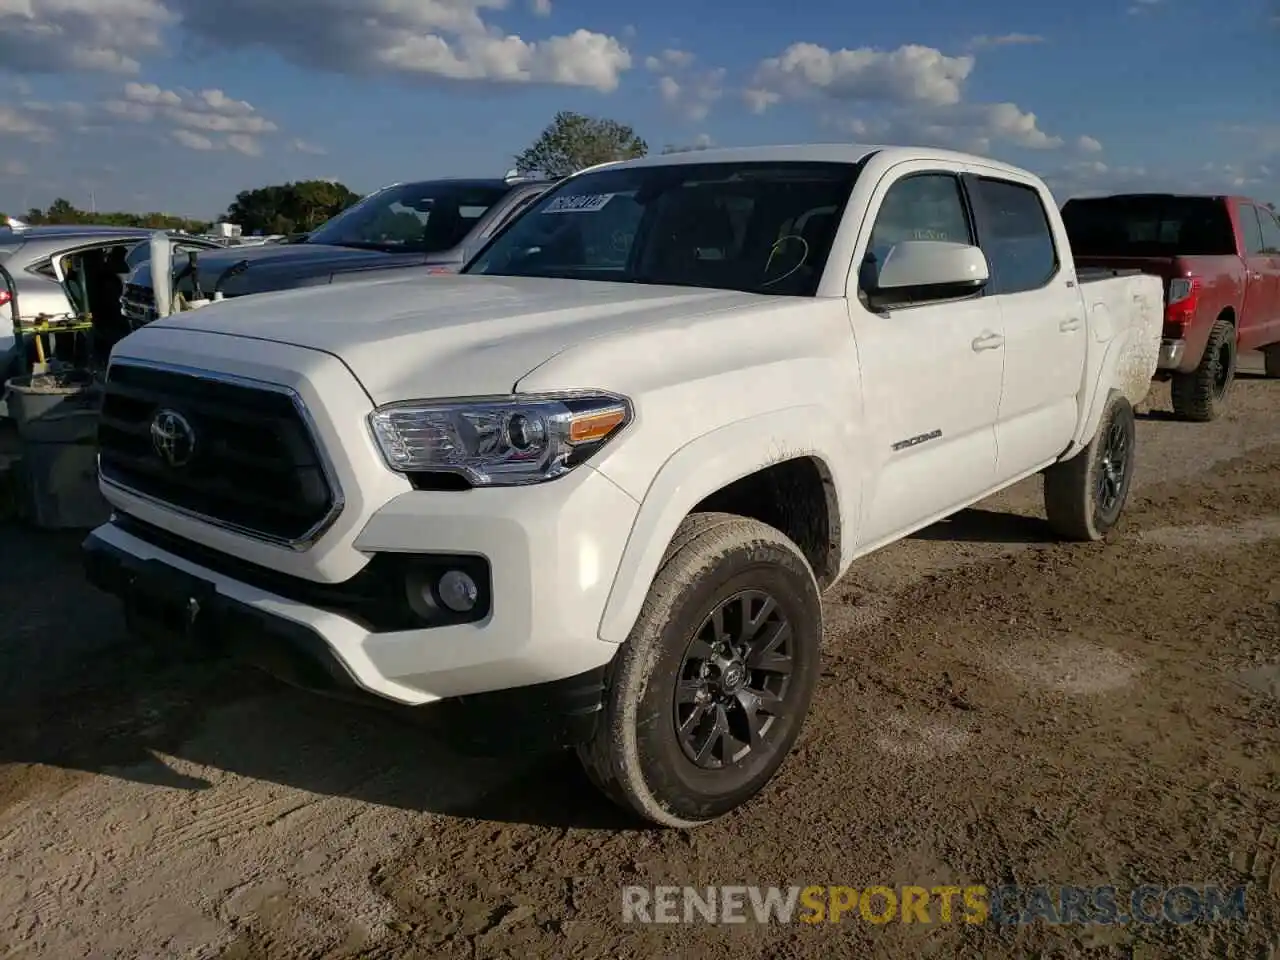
[(279, 266), (419, 336)]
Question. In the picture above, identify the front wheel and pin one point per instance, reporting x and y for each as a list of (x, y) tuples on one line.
[(710, 690), (1084, 496)]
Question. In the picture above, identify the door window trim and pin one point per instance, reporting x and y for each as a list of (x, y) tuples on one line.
[(981, 222), (970, 222)]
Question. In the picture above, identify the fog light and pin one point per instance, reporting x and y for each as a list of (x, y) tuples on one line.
[(458, 591)]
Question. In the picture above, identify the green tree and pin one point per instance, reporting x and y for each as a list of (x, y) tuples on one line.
[(289, 207), (62, 211), (573, 141)]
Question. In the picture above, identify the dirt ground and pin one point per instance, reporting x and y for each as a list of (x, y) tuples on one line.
[(996, 708)]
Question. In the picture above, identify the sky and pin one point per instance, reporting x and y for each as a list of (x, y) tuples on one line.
[(176, 105)]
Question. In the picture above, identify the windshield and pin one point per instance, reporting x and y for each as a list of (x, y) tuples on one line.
[(761, 227), (1149, 226), (427, 217)]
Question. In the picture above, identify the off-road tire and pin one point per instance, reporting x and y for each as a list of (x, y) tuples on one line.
[(1201, 395), (636, 757), (1072, 499), (1271, 361)]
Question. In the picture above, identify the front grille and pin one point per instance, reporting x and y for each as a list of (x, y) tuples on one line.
[(137, 303), (252, 465)]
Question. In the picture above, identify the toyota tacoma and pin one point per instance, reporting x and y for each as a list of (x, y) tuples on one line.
[(592, 488)]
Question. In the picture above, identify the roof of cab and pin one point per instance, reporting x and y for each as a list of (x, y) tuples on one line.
[(811, 152)]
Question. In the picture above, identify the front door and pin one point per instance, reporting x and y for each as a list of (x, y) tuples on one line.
[(931, 370), (1266, 324), (1044, 323), (1254, 312)]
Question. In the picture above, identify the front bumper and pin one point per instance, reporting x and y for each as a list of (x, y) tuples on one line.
[(1172, 353), (195, 610)]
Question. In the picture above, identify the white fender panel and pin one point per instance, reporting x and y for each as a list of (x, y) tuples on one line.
[(700, 468)]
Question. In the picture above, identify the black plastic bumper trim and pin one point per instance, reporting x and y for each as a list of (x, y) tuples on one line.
[(187, 611)]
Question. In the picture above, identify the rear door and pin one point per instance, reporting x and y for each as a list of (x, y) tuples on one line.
[(1257, 311), (1043, 316)]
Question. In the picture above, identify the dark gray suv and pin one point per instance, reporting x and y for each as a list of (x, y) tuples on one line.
[(437, 224)]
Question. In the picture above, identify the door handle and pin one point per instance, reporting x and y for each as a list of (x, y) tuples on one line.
[(988, 341), (1069, 324), (1254, 275)]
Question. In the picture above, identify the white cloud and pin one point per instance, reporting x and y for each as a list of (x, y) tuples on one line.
[(440, 39), (150, 95), (541, 8), (973, 127), (108, 36), (670, 59), (1087, 144), (13, 168), (21, 124), (208, 114), (913, 94), (193, 141), (909, 74), (1005, 40), (689, 93), (1142, 6), (302, 146), (759, 100), (243, 143)]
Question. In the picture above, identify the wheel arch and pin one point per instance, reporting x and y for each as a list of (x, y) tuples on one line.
[(782, 468)]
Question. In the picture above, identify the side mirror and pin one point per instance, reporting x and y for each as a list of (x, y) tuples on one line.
[(932, 268)]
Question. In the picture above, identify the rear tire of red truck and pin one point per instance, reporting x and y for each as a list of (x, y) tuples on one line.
[(1201, 395)]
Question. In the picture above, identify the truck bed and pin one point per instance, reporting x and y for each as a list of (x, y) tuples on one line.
[(1111, 296)]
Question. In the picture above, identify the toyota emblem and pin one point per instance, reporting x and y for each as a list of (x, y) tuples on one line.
[(172, 438)]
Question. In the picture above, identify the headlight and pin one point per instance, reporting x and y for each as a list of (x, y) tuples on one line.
[(499, 441)]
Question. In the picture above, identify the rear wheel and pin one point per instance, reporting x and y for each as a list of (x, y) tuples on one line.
[(1084, 496), (711, 689), (1201, 395)]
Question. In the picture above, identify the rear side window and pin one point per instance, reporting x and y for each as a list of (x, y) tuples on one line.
[(43, 268), (1014, 233), (1149, 225), (1270, 232), (1250, 229)]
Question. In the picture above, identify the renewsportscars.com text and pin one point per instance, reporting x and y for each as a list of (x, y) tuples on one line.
[(973, 904)]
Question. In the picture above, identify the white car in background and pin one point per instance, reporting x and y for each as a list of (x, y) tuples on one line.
[(64, 274)]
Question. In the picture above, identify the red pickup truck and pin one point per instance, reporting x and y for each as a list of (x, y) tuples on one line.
[(1220, 260)]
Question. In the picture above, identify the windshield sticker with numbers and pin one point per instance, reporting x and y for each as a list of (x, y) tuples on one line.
[(582, 203)]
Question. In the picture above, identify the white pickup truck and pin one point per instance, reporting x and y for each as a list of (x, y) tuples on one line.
[(590, 491)]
